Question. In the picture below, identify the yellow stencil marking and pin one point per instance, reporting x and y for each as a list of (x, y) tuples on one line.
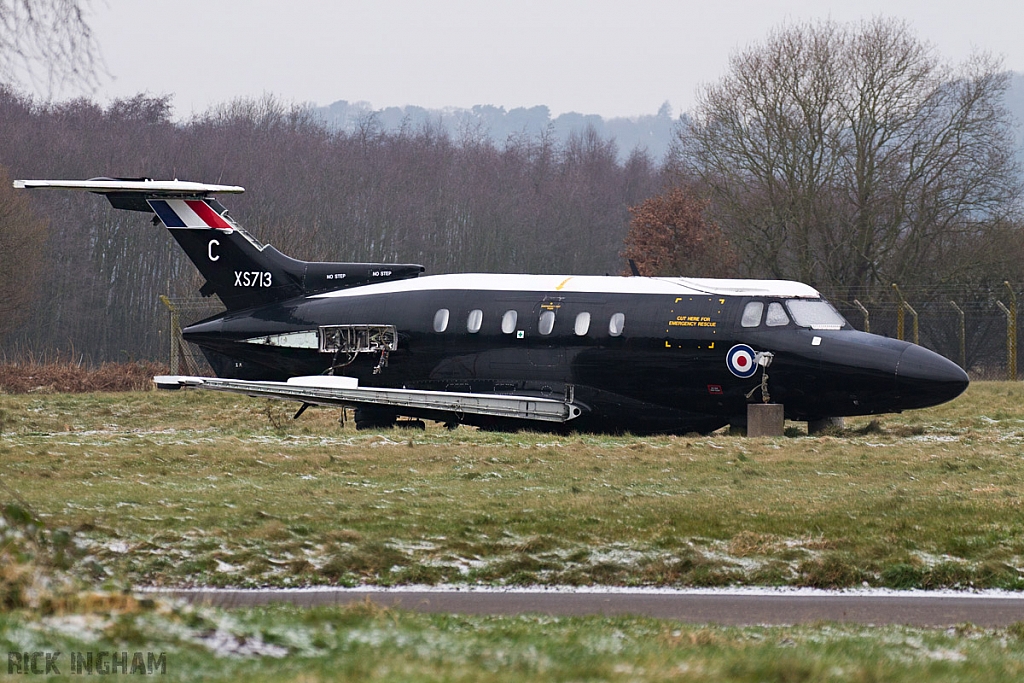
[(563, 283)]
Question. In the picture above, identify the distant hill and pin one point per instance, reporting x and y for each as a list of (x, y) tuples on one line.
[(652, 133)]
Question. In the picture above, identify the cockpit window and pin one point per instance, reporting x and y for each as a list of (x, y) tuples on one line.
[(776, 315), (752, 314), (815, 314)]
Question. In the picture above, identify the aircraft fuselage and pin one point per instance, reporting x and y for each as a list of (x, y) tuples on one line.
[(638, 354)]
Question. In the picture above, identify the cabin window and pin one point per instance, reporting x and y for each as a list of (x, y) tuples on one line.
[(815, 314), (508, 322), (475, 320), (547, 322), (615, 325), (752, 314), (582, 325), (776, 315), (441, 320)]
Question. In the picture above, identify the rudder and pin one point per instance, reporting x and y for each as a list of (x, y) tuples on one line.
[(238, 268)]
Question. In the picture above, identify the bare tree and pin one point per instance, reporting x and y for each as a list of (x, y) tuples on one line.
[(22, 235), (48, 43), (850, 156)]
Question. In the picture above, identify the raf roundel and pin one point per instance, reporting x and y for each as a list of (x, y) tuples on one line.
[(741, 361)]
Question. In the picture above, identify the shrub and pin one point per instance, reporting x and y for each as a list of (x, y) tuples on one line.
[(70, 377)]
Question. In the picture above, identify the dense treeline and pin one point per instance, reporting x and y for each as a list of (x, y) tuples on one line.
[(418, 195)]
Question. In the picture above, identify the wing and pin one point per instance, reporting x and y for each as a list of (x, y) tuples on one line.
[(344, 391)]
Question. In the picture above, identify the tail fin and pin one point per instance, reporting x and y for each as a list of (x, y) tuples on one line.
[(239, 269)]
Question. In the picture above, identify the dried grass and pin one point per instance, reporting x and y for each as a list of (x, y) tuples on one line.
[(66, 376), (749, 543)]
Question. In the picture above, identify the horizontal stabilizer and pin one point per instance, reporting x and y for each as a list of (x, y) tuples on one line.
[(324, 393), (144, 186)]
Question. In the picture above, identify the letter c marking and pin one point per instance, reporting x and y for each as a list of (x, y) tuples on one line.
[(209, 250)]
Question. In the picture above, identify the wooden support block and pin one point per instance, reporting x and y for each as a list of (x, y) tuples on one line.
[(765, 419)]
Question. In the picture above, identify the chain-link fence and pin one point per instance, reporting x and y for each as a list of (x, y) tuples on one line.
[(977, 328), (974, 327), (186, 358)]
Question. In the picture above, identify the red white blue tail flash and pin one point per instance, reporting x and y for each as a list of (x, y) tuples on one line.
[(188, 213)]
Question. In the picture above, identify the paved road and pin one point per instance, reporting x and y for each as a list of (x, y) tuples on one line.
[(694, 607)]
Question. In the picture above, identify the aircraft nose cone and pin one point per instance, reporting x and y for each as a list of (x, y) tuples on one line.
[(924, 378)]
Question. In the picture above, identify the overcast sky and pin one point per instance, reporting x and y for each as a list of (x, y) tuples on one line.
[(607, 57)]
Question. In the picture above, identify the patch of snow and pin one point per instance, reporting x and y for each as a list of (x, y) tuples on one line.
[(631, 590), (225, 643)]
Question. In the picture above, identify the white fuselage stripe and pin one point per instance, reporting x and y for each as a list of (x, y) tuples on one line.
[(593, 284)]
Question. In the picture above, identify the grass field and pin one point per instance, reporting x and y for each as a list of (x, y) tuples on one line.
[(193, 488), (197, 488), (363, 643)]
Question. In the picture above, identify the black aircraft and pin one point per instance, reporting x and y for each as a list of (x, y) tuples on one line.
[(554, 352)]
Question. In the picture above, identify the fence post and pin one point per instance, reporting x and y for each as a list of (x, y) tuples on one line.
[(175, 332), (963, 334), (899, 316), (1011, 333), (913, 314), (864, 312), (899, 311)]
